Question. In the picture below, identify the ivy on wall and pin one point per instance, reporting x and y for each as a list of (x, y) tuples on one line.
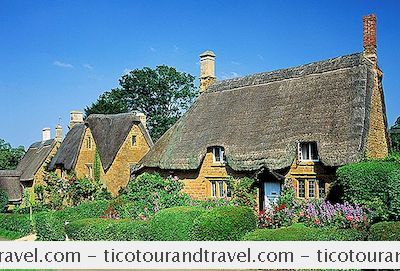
[(96, 167)]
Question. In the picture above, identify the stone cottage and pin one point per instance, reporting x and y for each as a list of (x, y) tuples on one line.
[(297, 124), (32, 167), (120, 141)]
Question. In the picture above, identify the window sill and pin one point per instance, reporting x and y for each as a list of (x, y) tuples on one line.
[(307, 162)]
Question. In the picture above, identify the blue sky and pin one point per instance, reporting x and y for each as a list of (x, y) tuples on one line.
[(57, 56)]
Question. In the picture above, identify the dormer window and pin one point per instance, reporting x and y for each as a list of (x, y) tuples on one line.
[(219, 155), (308, 151)]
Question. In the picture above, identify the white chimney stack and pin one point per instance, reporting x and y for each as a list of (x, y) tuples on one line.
[(142, 118), (46, 134)]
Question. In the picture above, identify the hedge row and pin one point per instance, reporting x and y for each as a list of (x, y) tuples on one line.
[(305, 234), (385, 231), (15, 224), (174, 224), (98, 229), (50, 226)]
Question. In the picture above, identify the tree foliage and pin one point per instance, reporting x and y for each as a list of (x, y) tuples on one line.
[(395, 136), (9, 156), (163, 94)]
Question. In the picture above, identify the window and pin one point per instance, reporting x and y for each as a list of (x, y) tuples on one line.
[(321, 189), (219, 155), (89, 171), (133, 140), (214, 189), (88, 142), (311, 188), (220, 189), (301, 189), (308, 151)]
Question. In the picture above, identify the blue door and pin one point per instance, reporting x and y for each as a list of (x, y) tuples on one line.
[(272, 191)]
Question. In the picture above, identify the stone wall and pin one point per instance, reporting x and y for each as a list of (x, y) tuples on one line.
[(377, 142), (118, 174)]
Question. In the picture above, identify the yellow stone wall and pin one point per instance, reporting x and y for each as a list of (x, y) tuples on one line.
[(118, 174), (377, 143), (39, 175)]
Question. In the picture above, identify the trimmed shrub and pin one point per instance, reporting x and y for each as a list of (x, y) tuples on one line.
[(394, 194), (16, 223), (100, 229), (174, 224), (385, 231), (305, 234), (50, 226), (3, 201), (151, 193), (366, 181), (224, 223)]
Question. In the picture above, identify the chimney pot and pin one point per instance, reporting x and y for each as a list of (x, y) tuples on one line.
[(369, 36), (76, 117), (46, 134), (207, 70), (142, 118)]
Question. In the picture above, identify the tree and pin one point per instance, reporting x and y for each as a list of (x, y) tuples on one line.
[(163, 94), (395, 135), (9, 157)]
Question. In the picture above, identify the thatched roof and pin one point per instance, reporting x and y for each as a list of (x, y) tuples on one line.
[(9, 182), (259, 119), (34, 158), (69, 149), (109, 133)]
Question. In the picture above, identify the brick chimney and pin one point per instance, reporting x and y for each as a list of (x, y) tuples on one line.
[(207, 70), (46, 134), (76, 117), (369, 37)]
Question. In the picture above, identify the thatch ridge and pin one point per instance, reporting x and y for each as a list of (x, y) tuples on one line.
[(34, 158), (259, 119), (9, 182), (68, 152)]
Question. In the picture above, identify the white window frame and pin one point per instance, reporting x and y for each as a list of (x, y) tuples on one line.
[(321, 186), (89, 168), (133, 144), (298, 188), (214, 189), (300, 153), (221, 155)]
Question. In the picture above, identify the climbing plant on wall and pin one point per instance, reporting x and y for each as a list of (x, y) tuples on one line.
[(96, 167)]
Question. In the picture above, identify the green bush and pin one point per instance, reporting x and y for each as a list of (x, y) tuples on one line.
[(224, 223), (17, 223), (151, 193), (305, 234), (174, 224), (3, 201), (394, 194), (100, 229), (369, 180), (50, 226), (244, 192), (385, 231)]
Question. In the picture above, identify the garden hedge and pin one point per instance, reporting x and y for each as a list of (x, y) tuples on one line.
[(16, 225), (50, 226), (174, 224), (100, 229), (224, 223), (385, 231), (305, 234), (368, 182)]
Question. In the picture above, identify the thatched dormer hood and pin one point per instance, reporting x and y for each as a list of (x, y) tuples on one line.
[(259, 119)]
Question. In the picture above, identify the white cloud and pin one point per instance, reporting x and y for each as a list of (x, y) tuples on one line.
[(176, 48), (260, 57), (152, 49), (62, 64), (230, 75), (235, 63), (88, 66)]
